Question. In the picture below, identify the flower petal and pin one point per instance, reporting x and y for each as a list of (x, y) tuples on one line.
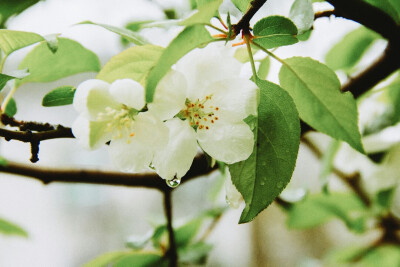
[(90, 134), (226, 142), (205, 66), (130, 157), (92, 97), (233, 196), (128, 92), (177, 157), (170, 96), (150, 131)]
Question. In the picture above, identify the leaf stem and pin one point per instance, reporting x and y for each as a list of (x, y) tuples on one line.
[(270, 54), (253, 66), (3, 60), (216, 28)]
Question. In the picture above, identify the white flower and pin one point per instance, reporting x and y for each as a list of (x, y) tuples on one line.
[(233, 196), (209, 102), (112, 113)]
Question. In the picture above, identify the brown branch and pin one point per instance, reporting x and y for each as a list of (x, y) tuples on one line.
[(324, 14), (244, 22), (379, 70), (148, 180), (172, 252)]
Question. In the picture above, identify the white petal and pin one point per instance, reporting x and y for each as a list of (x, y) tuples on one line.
[(150, 131), (177, 157), (132, 157), (90, 134), (128, 92), (205, 66), (226, 142), (92, 97), (236, 98), (232, 194), (170, 96)]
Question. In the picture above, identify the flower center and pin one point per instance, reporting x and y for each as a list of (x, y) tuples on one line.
[(200, 114), (120, 122)]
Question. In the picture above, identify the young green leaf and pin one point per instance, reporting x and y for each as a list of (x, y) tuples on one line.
[(60, 96), (263, 69), (190, 38), (70, 58), (141, 259), (3, 161), (126, 33), (195, 254), (318, 209), (14, 40), (204, 14), (185, 233), (263, 176), (11, 108), (384, 255), (302, 14), (242, 5), (134, 63), (349, 50), (106, 259), (4, 79), (274, 31), (315, 89), (9, 228)]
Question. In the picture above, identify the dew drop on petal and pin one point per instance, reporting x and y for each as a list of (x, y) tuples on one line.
[(227, 200), (262, 183), (173, 183)]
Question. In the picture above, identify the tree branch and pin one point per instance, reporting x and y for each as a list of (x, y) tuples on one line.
[(148, 180), (172, 252), (244, 22)]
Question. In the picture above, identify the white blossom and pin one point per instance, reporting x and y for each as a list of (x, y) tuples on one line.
[(204, 102), (111, 112)]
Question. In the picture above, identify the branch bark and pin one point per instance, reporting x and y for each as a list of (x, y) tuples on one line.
[(244, 22), (148, 180), (172, 252)]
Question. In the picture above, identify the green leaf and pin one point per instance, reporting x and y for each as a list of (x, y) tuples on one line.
[(11, 108), (345, 255), (70, 58), (60, 96), (391, 7), (263, 69), (3, 161), (327, 161), (4, 79), (140, 259), (242, 5), (106, 259), (190, 38), (10, 8), (14, 40), (320, 208), (385, 255), (349, 50), (195, 253), (384, 198), (274, 31), (126, 33), (205, 13), (316, 91), (302, 14), (186, 233), (134, 63), (8, 228), (263, 176)]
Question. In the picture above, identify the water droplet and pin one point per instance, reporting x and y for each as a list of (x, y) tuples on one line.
[(262, 183), (173, 183), (279, 185)]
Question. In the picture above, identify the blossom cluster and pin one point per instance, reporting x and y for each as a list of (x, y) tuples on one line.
[(201, 103)]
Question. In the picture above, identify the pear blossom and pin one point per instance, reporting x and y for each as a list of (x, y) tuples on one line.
[(112, 112), (204, 102)]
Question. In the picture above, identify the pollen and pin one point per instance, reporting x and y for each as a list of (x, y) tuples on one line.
[(132, 134), (200, 114)]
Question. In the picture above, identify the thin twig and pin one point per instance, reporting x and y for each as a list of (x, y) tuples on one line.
[(244, 22), (172, 252), (324, 14)]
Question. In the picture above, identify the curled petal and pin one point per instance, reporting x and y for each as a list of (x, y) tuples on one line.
[(227, 142), (128, 92), (90, 134), (177, 157), (92, 97), (233, 196), (170, 96)]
